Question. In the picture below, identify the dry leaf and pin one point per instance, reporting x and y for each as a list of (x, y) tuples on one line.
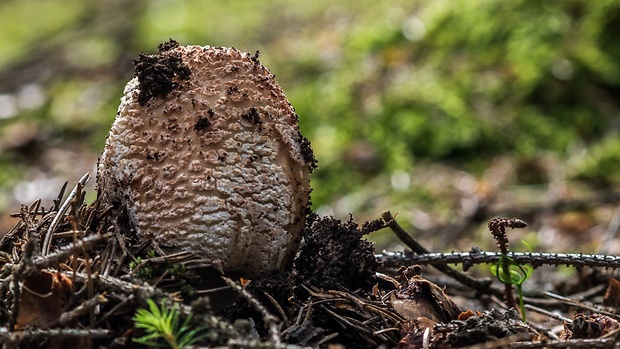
[(43, 298), (612, 295), (422, 298)]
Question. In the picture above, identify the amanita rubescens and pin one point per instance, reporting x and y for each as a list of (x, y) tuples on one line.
[(205, 155)]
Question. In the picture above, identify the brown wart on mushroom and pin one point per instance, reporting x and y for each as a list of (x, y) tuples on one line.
[(205, 155)]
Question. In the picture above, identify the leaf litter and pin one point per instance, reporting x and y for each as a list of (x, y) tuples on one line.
[(71, 279)]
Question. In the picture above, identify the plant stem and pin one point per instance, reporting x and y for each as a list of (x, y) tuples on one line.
[(521, 302), (483, 286), (508, 294), (497, 226)]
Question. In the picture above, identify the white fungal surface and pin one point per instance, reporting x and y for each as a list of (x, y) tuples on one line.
[(216, 166)]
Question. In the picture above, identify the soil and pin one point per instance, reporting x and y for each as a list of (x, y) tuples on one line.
[(160, 73)]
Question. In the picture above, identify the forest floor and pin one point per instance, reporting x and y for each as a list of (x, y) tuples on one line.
[(70, 279)]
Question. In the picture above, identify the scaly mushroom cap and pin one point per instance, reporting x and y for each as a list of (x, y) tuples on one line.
[(205, 155)]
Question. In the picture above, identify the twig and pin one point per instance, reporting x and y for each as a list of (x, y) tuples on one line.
[(502, 342), (278, 308), (402, 234), (535, 259), (548, 313), (143, 292), (19, 336), (57, 201), (84, 308), (583, 305), (348, 322), (28, 216), (356, 313), (108, 257), (42, 262), (47, 240), (146, 291), (254, 344), (18, 274), (270, 320), (605, 343), (541, 328), (483, 286)]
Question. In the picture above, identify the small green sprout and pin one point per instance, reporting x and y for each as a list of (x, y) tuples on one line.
[(177, 269), (134, 264), (517, 274), (162, 323)]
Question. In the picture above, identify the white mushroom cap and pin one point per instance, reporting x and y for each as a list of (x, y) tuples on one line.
[(205, 155)]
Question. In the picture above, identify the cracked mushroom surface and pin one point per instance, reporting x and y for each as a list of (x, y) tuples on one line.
[(205, 155)]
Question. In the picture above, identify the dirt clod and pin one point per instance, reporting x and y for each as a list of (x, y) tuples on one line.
[(334, 255), (159, 73)]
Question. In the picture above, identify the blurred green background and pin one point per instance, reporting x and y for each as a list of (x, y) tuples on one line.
[(424, 107)]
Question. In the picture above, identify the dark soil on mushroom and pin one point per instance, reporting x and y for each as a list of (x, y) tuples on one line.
[(159, 74)]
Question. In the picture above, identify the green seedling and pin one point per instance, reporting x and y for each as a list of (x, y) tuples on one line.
[(517, 274), (163, 328), (506, 269)]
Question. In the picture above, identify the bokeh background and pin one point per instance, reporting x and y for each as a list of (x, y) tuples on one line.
[(446, 111)]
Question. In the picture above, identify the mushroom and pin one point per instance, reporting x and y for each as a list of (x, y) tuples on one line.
[(205, 155)]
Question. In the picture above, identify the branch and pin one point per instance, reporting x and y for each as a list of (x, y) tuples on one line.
[(483, 286), (535, 259)]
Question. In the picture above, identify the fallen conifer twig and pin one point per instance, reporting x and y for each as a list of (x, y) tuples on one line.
[(271, 321), (536, 259), (41, 262), (599, 343), (483, 286), (47, 240), (17, 337)]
